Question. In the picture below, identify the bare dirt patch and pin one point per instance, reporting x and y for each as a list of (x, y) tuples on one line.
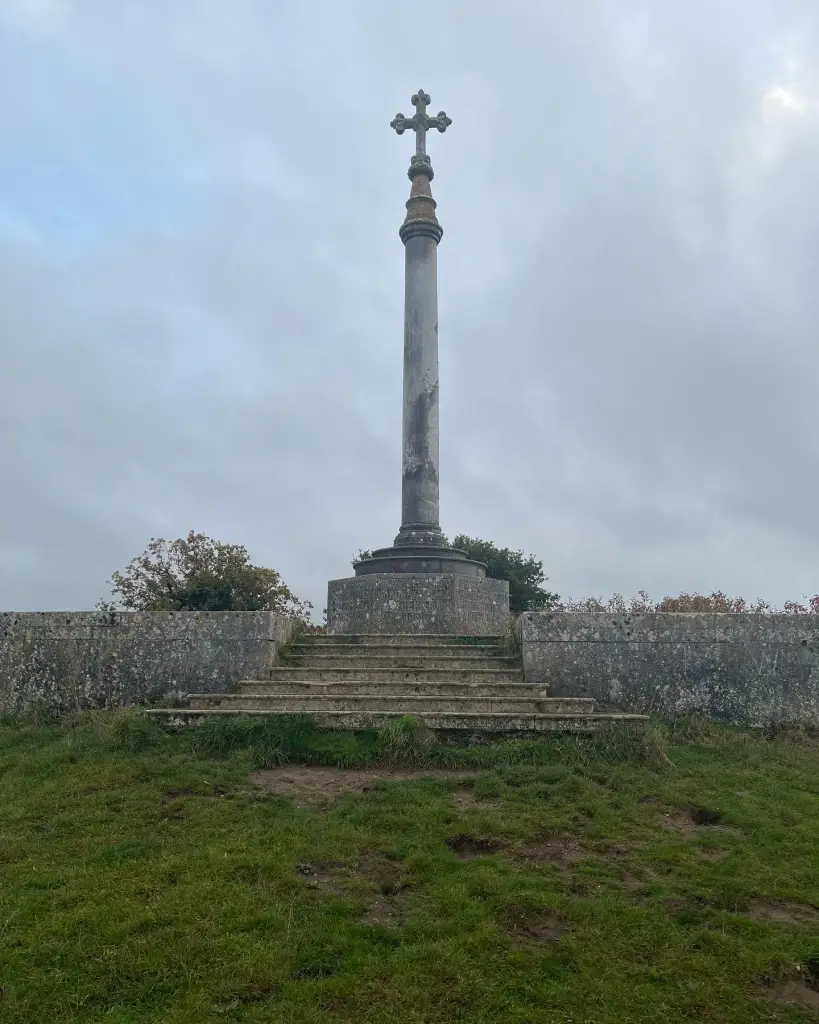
[(386, 873), (712, 853), (466, 800), (468, 847), (615, 851), (383, 912), (794, 992), (690, 820), (525, 927), (702, 816), (631, 882), (327, 877), (309, 785), (678, 822), (783, 912), (384, 907), (562, 851), (383, 873)]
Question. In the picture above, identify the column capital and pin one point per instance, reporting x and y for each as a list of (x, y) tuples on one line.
[(421, 218)]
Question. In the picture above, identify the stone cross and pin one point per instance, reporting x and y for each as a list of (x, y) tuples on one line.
[(420, 124), (420, 234), (420, 550)]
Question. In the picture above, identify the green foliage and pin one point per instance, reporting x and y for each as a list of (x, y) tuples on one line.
[(268, 740), (196, 573), (405, 741), (134, 731), (523, 573)]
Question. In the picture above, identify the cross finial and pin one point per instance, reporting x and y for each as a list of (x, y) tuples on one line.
[(420, 123)]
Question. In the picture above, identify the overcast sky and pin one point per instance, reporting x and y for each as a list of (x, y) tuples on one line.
[(201, 286)]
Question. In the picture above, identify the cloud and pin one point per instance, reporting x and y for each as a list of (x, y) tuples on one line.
[(201, 287), (40, 15)]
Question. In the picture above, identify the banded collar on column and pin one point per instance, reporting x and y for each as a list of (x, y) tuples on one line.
[(421, 218)]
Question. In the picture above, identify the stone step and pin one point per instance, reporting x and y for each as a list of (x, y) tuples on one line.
[(402, 650), (355, 686), (406, 704), (397, 675), (393, 661), (439, 721), (399, 639)]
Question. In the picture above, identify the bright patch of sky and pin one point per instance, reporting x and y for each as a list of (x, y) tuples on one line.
[(85, 159)]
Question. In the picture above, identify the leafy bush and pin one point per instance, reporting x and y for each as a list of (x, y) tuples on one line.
[(197, 573)]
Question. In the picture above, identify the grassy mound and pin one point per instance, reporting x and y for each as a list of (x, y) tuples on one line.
[(667, 874)]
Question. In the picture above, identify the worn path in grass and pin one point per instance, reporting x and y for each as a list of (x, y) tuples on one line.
[(189, 879)]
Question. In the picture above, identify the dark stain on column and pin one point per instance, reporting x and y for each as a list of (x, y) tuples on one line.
[(420, 476)]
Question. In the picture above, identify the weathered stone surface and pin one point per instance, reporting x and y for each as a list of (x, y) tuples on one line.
[(72, 660), (486, 697), (525, 726), (418, 603), (743, 669), (408, 704), (419, 490)]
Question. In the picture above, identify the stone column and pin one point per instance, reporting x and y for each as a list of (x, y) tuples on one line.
[(420, 234), (420, 547), (420, 584)]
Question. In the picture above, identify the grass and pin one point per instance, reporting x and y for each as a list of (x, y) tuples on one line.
[(144, 879)]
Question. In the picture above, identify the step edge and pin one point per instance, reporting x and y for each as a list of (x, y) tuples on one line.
[(423, 714), (318, 684), (365, 698), (414, 647), (488, 671), (313, 653)]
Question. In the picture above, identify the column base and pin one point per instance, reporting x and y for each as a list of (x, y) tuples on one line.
[(423, 558), (418, 602)]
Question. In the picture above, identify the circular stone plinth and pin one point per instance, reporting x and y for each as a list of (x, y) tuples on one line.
[(418, 602), (420, 559)]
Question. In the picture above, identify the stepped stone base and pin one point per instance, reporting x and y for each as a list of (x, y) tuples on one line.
[(416, 602), (453, 684)]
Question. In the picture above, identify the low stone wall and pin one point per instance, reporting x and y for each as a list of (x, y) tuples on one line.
[(66, 661), (741, 669)]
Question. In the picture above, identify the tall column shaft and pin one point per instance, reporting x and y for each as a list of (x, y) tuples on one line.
[(420, 555), (419, 480), (420, 234)]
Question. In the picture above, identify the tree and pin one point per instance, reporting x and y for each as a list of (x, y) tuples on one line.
[(523, 573), (811, 608), (197, 573)]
